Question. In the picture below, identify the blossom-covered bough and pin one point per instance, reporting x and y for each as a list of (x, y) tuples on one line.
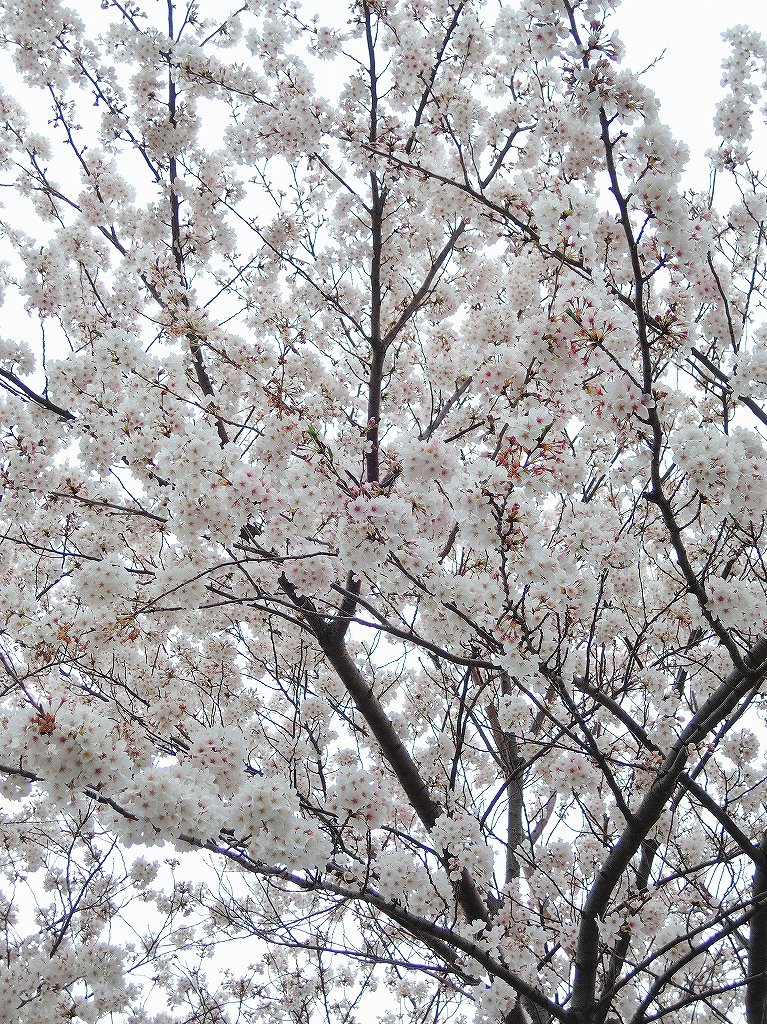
[(383, 608)]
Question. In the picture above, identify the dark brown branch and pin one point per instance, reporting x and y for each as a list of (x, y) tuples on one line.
[(720, 703), (418, 298), (14, 385), (756, 981), (674, 969), (618, 958), (198, 360), (513, 769), (718, 812), (416, 926), (403, 765), (433, 76), (724, 381)]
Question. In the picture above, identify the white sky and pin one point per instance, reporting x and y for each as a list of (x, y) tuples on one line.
[(687, 79)]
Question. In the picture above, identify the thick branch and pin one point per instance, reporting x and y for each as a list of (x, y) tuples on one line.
[(15, 386), (721, 702), (513, 768), (756, 982), (198, 360), (617, 960), (403, 765), (416, 926)]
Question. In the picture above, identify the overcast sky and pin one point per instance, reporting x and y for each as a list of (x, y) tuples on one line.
[(687, 79)]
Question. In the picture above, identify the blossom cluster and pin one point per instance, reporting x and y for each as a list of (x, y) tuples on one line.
[(383, 513)]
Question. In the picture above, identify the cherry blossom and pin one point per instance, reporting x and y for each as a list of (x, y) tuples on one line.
[(382, 520)]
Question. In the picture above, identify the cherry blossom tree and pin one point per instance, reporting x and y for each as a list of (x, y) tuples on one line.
[(384, 604)]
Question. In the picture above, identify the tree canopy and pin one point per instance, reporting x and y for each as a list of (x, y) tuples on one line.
[(383, 617)]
